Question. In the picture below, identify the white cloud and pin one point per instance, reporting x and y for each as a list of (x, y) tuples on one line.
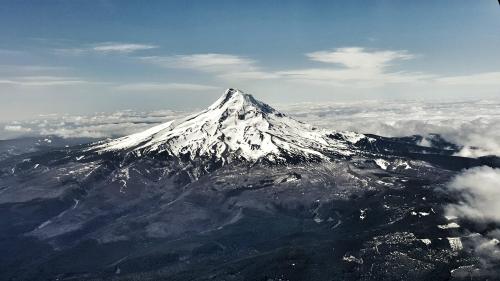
[(16, 128), (360, 58), (42, 81), (474, 125), (351, 67), (121, 47), (223, 66), (99, 125), (479, 193), (479, 79), (163, 87), (105, 48), (356, 67), (204, 62)]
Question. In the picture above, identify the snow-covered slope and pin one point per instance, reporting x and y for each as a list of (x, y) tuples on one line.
[(236, 126)]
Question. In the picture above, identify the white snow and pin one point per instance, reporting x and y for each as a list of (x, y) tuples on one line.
[(455, 243), (450, 225), (237, 125), (351, 258), (353, 137), (362, 214), (426, 241), (402, 164), (383, 164)]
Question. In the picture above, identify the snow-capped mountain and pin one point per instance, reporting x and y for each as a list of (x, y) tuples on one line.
[(238, 191), (236, 126)]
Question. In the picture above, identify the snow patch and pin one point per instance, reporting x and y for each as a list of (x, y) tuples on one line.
[(455, 243), (448, 226), (426, 241), (383, 164)]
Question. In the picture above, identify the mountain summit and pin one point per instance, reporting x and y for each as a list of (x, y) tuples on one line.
[(236, 127)]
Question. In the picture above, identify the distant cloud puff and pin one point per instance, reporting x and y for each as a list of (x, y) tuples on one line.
[(479, 79), (358, 57), (42, 81), (203, 62), (479, 193), (16, 128), (105, 48), (122, 47)]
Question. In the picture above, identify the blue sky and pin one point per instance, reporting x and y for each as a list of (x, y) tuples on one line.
[(86, 56)]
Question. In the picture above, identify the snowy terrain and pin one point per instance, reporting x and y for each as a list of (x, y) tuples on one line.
[(237, 126)]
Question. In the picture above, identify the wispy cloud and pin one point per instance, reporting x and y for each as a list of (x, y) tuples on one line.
[(42, 81), (122, 47), (478, 79), (204, 62), (345, 66), (105, 48), (151, 86), (356, 66), (223, 66), (360, 58)]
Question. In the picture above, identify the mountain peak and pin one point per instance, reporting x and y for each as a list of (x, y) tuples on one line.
[(237, 100), (236, 126)]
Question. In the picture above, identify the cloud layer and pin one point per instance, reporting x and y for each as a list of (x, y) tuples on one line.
[(100, 125), (474, 125)]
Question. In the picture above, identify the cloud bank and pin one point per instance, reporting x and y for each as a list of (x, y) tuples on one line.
[(474, 125), (99, 125)]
